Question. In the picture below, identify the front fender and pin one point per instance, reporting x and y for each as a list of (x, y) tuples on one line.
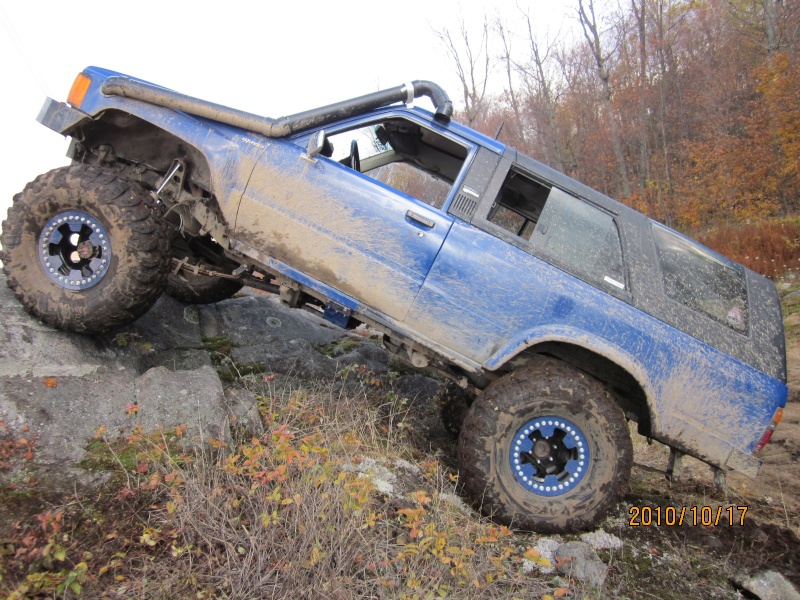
[(230, 153)]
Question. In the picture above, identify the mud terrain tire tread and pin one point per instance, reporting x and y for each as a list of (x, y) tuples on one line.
[(139, 249), (454, 404), (547, 386)]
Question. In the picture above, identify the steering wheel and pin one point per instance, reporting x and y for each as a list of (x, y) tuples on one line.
[(355, 161)]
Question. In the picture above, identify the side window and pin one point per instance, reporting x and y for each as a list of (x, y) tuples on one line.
[(408, 157), (702, 280), (366, 138), (413, 181), (563, 230), (582, 239), (519, 204)]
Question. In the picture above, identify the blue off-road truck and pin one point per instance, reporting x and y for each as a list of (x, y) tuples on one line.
[(564, 312)]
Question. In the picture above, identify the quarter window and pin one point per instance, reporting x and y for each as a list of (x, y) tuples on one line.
[(519, 204), (702, 280)]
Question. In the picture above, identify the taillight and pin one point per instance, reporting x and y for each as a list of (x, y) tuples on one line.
[(78, 90), (776, 418)]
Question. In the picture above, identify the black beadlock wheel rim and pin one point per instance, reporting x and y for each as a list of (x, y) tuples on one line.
[(74, 250), (549, 456)]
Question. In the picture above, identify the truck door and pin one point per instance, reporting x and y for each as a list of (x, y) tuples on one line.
[(362, 220), (515, 261)]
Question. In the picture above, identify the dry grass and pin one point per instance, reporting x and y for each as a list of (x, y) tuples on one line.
[(770, 247), (315, 508), (335, 500)]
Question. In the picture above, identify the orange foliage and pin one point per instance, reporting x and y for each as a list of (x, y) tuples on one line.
[(709, 124), (779, 83)]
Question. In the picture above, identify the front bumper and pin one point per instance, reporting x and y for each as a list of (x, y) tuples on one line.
[(61, 117)]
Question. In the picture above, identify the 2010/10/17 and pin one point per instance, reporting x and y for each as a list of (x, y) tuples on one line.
[(707, 516)]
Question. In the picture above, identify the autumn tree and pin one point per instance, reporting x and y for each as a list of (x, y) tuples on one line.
[(591, 31), (685, 109)]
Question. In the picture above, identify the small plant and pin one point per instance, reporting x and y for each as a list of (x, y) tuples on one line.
[(220, 344), (340, 348)]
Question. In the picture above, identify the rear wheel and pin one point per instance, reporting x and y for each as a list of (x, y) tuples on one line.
[(545, 449), (83, 249), (454, 403)]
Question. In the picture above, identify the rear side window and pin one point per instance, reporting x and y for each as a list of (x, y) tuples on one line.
[(561, 229), (702, 280), (582, 239)]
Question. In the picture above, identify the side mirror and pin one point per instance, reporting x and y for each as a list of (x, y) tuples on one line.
[(315, 145)]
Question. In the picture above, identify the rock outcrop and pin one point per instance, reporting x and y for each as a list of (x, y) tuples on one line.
[(58, 388)]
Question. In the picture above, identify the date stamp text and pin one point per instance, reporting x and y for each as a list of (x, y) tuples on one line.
[(707, 516)]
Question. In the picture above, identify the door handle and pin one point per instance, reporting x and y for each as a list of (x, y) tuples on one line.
[(418, 218)]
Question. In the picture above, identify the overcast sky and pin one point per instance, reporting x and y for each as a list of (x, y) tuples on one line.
[(255, 56)]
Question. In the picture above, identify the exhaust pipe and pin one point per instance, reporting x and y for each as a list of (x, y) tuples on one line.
[(147, 92)]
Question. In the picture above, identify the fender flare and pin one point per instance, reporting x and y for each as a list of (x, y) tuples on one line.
[(587, 341)]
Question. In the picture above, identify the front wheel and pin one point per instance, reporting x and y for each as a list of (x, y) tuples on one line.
[(545, 449), (83, 249)]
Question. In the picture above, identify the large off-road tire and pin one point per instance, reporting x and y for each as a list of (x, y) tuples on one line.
[(454, 404), (196, 288), (83, 249), (545, 449)]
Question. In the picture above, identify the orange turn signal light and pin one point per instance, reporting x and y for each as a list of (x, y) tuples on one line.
[(78, 90)]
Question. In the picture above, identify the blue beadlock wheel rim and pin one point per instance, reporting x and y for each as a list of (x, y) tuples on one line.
[(549, 456), (74, 250)]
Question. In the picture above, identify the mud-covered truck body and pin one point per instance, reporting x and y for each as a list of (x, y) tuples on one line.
[(563, 312)]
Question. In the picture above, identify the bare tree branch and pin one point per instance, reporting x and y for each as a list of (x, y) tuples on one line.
[(472, 66), (591, 32)]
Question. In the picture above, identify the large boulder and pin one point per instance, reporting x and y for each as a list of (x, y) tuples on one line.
[(255, 320), (60, 390)]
